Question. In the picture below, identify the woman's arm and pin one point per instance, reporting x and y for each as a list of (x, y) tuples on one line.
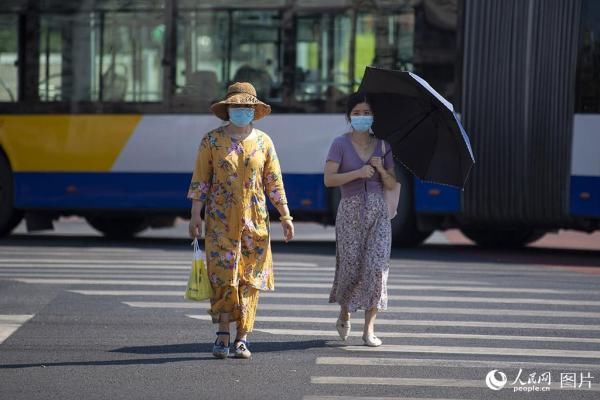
[(332, 178), (200, 186), (388, 177)]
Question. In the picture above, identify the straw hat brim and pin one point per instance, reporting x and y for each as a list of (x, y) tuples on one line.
[(261, 109)]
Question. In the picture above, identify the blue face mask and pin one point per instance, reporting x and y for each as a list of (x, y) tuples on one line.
[(361, 123), (241, 116)]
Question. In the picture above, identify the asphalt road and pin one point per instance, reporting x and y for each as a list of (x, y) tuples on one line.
[(83, 317)]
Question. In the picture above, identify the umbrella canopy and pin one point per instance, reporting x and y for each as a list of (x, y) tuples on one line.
[(420, 125)]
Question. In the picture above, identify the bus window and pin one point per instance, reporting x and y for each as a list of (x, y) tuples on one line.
[(131, 57), (394, 41), (8, 58), (322, 61), (65, 69), (202, 39), (588, 60), (101, 56), (255, 52)]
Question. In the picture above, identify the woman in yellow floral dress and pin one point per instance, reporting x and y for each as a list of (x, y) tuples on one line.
[(235, 166)]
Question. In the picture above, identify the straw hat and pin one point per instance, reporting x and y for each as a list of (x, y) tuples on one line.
[(242, 93)]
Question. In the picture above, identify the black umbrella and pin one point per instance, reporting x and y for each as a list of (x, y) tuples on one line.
[(421, 126)]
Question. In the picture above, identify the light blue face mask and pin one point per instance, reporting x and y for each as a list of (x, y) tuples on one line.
[(241, 116), (361, 123)]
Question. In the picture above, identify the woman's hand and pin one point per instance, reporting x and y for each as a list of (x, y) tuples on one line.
[(377, 163), (366, 171), (288, 230), (195, 226)]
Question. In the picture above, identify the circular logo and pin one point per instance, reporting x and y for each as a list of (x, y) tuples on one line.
[(492, 382)]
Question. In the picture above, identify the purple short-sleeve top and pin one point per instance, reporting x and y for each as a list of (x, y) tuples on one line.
[(342, 151)]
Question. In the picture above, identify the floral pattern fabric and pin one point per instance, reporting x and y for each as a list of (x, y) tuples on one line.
[(363, 235), (231, 177)]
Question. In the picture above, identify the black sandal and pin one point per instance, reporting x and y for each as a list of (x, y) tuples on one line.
[(219, 349)]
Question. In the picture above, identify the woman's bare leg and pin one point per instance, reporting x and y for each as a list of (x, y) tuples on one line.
[(369, 328), (224, 327), (344, 314)]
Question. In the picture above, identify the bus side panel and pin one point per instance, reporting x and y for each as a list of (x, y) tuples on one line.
[(108, 162), (585, 166), (137, 190), (432, 198)]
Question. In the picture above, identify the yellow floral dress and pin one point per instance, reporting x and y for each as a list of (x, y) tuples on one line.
[(231, 178)]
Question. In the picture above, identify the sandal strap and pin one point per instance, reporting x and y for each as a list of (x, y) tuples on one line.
[(243, 342), (223, 333)]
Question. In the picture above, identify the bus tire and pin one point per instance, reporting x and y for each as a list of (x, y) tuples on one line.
[(405, 229), (118, 227), (502, 238), (9, 217)]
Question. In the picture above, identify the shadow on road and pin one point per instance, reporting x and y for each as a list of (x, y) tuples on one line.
[(185, 348), (261, 347), (137, 361), (431, 252)]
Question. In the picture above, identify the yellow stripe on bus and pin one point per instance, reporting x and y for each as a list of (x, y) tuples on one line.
[(84, 143)]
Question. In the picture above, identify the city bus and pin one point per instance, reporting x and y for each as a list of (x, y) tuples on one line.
[(103, 104)]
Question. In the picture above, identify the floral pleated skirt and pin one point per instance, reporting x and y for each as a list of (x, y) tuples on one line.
[(364, 238)]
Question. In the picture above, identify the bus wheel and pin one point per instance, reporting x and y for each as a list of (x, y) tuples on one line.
[(118, 227), (509, 238), (405, 231), (9, 217)]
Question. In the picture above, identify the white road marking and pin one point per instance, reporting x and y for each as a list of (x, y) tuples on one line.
[(428, 323), (295, 295), (284, 280), (368, 398), (455, 383), (427, 335), (448, 363), (498, 351), (137, 282), (62, 261), (10, 323), (407, 310)]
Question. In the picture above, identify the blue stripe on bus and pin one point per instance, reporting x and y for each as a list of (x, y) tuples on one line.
[(585, 196), (431, 198), (164, 191)]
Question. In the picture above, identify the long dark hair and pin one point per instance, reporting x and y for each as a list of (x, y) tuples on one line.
[(354, 99)]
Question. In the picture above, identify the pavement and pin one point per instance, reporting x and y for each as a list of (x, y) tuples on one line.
[(85, 317)]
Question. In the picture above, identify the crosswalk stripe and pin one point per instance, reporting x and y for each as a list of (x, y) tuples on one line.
[(288, 295), (428, 323), (71, 267), (454, 383), (325, 280), (448, 363), (407, 310), (426, 335), (10, 323), (60, 261), (51, 281), (66, 281), (369, 398), (499, 351), (124, 267)]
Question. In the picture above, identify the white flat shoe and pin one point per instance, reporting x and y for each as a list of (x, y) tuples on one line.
[(372, 341), (343, 328)]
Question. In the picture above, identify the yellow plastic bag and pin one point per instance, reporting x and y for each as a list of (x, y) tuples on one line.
[(198, 287)]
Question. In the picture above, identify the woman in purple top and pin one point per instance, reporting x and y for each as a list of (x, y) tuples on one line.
[(357, 164)]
